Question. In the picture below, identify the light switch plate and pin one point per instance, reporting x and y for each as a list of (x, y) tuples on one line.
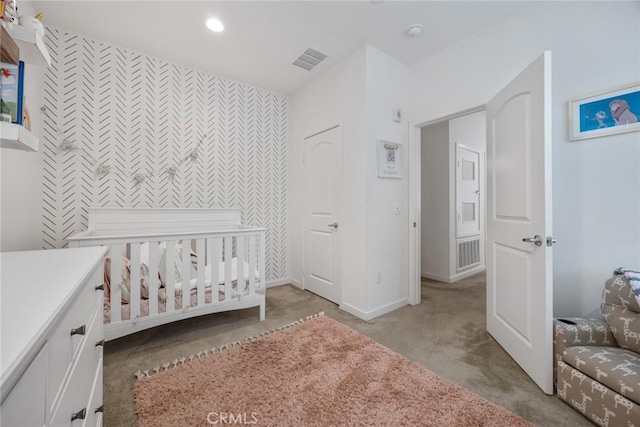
[(397, 208)]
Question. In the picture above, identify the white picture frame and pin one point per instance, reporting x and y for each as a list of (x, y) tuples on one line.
[(389, 159), (591, 117)]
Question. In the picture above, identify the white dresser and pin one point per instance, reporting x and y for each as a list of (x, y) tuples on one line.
[(51, 342)]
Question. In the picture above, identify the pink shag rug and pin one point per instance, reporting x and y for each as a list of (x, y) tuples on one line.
[(316, 372)]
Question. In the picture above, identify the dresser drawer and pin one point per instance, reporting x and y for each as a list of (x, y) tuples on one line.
[(76, 393), (64, 346), (94, 418)]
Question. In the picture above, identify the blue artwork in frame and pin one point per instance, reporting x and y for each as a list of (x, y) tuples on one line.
[(606, 113), (11, 91)]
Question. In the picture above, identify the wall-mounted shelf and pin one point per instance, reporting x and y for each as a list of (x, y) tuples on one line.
[(17, 137), (32, 47)]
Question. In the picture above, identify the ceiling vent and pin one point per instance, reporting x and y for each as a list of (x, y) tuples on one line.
[(309, 59)]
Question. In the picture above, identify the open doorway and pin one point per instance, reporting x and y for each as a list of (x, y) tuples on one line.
[(519, 256), (453, 197)]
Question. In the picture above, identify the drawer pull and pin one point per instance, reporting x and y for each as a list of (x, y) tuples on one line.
[(99, 409), (100, 343), (80, 415), (100, 288), (79, 331)]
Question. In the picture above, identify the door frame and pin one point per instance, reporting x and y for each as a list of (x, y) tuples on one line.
[(415, 199), (305, 243)]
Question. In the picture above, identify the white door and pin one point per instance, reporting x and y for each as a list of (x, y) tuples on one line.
[(519, 260), (467, 192), (323, 177)]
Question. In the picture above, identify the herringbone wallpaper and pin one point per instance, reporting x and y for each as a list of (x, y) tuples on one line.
[(138, 114)]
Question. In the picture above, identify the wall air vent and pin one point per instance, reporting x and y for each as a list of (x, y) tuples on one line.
[(309, 59), (468, 253)]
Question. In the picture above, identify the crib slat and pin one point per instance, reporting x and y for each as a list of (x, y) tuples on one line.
[(261, 262), (154, 283), (252, 264), (116, 279), (170, 280), (201, 268), (134, 284), (240, 251), (228, 246), (186, 273), (214, 259)]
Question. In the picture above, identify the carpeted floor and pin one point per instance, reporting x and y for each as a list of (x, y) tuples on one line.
[(446, 334)]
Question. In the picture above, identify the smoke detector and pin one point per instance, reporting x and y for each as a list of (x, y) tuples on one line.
[(415, 30)]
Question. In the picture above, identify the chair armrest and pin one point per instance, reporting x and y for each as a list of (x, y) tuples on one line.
[(575, 331)]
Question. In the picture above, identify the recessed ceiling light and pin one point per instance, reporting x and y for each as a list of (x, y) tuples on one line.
[(215, 25)]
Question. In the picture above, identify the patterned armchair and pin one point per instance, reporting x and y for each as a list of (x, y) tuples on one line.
[(597, 362)]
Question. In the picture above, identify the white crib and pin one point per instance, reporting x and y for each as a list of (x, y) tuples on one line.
[(214, 245)]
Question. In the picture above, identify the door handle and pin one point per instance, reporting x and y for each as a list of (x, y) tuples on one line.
[(537, 240), (334, 225)]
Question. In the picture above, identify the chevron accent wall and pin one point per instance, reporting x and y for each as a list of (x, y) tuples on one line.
[(139, 114)]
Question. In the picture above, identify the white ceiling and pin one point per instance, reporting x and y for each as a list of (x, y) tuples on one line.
[(262, 38)]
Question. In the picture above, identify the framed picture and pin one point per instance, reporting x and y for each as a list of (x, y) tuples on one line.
[(605, 113), (389, 159), (11, 96)]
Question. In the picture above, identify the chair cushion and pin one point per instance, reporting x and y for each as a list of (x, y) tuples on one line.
[(622, 312), (616, 368)]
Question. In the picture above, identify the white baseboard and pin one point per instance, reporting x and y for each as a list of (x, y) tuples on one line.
[(455, 277), (283, 281), (296, 283), (435, 277), (372, 314), (278, 282), (353, 310), (468, 273)]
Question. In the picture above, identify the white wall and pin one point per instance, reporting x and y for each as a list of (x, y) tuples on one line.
[(20, 200), (387, 233), (336, 97), (596, 188), (359, 94), (435, 217)]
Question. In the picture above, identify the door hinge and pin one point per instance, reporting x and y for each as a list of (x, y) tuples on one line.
[(550, 241), (415, 225)]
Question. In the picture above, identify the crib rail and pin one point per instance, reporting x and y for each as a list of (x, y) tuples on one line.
[(181, 274)]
